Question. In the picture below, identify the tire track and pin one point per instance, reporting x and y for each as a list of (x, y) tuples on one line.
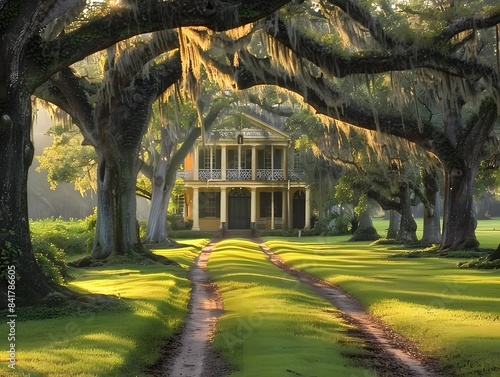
[(390, 354)]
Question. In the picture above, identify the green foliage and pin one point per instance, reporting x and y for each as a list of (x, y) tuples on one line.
[(275, 233), (66, 160), (434, 252), (178, 190), (175, 222), (480, 263), (73, 236), (190, 234), (9, 254), (50, 259), (334, 225), (385, 241), (365, 234), (91, 220), (302, 124)]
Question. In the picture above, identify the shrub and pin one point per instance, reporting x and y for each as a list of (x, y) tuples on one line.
[(365, 234), (335, 225), (186, 233), (275, 233), (385, 241), (481, 263), (72, 236), (51, 260), (91, 220)]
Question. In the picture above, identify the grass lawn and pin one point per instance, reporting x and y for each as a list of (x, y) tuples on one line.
[(120, 343), (273, 325), (453, 314)]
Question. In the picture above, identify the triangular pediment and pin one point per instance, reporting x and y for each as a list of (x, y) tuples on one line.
[(253, 130)]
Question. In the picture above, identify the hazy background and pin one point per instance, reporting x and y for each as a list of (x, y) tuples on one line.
[(64, 201)]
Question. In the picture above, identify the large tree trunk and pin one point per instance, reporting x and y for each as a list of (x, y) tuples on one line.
[(164, 174), (432, 222), (162, 190), (459, 223), (394, 223), (460, 155), (408, 227), (495, 255), (16, 155), (365, 231), (117, 230)]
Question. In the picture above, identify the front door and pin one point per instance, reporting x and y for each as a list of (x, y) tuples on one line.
[(299, 210), (239, 209)]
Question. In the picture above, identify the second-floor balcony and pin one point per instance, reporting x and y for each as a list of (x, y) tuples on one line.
[(244, 174), (270, 175), (239, 174), (206, 174)]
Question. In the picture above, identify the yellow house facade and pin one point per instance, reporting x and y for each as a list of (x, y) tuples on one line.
[(245, 178)]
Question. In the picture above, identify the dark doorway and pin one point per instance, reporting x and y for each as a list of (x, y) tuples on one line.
[(239, 209), (299, 209)]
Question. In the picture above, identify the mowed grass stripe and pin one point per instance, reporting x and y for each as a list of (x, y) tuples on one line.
[(452, 314), (107, 344), (273, 325)]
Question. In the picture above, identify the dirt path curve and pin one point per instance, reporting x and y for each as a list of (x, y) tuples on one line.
[(389, 353), (193, 346)]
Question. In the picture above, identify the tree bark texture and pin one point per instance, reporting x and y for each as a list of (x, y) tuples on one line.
[(28, 61), (408, 227), (459, 153), (459, 223), (160, 196), (16, 155), (117, 230), (365, 231), (394, 223), (432, 218)]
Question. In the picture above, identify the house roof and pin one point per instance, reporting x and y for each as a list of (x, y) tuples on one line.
[(255, 130)]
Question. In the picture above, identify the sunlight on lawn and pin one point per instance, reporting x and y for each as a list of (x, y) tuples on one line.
[(119, 343), (273, 325), (453, 314)]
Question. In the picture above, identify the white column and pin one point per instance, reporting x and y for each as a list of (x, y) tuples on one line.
[(223, 205), (272, 207), (196, 163), (285, 163), (272, 166), (223, 163), (254, 163), (239, 156), (253, 205), (211, 160), (308, 208), (196, 209), (284, 209)]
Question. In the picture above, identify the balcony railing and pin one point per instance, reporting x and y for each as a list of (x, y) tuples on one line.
[(270, 174), (296, 174), (244, 174), (239, 174), (205, 174)]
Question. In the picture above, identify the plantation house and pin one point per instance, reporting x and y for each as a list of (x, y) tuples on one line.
[(245, 178)]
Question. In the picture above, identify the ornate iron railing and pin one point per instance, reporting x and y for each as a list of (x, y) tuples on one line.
[(296, 174), (270, 174), (205, 174), (239, 174)]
